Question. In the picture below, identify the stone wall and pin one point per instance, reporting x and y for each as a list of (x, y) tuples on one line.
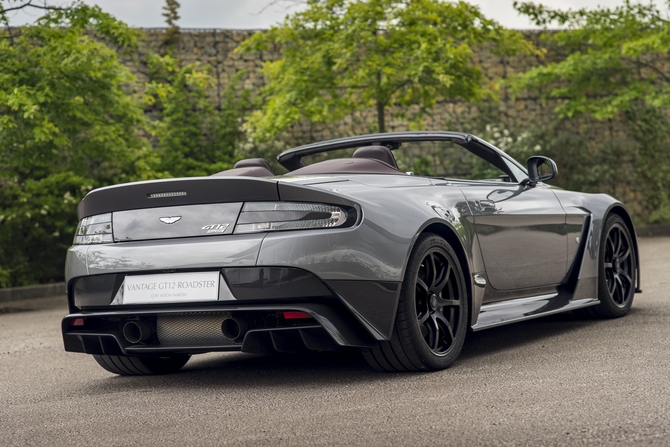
[(215, 47)]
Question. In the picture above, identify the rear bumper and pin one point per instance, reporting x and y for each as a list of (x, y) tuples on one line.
[(342, 313), (196, 330), (366, 286)]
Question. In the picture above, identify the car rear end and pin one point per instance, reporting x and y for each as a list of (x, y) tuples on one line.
[(172, 267)]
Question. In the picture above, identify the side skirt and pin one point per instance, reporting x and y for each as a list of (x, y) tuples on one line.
[(506, 312)]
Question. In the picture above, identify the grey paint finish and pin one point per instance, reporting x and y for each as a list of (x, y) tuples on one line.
[(598, 206), (521, 233), (209, 220), (75, 262), (516, 237), (378, 248), (191, 253)]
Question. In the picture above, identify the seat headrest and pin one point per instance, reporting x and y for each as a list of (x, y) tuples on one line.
[(381, 153), (253, 163)]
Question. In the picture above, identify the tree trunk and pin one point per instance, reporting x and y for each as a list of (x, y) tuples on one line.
[(380, 106), (380, 117)]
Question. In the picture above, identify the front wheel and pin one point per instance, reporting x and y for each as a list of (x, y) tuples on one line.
[(432, 316), (617, 270), (141, 366)]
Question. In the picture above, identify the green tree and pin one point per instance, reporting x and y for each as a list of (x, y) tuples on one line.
[(67, 124), (618, 66), (171, 14), (195, 136), (618, 59), (342, 55)]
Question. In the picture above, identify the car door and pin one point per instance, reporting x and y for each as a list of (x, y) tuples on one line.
[(521, 231)]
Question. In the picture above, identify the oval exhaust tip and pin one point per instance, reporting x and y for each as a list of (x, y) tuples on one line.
[(136, 331), (234, 328)]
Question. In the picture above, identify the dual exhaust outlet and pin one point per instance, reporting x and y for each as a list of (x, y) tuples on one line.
[(139, 331)]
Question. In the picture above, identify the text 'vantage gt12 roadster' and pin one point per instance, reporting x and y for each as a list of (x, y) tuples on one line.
[(348, 250)]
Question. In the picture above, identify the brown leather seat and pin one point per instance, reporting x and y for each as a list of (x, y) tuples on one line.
[(251, 167), (381, 153), (252, 163)]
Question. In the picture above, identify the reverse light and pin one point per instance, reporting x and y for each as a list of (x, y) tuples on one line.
[(275, 216), (94, 230)]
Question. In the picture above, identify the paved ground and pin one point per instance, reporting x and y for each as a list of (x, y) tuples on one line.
[(556, 381)]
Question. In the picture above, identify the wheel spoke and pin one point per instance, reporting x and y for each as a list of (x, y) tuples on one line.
[(423, 318), (608, 265), (441, 302), (435, 339), (626, 276), (439, 286), (442, 319), (611, 244), (619, 236), (620, 290), (625, 255), (420, 283), (611, 285), (433, 272)]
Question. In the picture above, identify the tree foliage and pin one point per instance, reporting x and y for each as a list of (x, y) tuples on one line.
[(342, 55), (618, 65), (617, 59), (195, 136), (171, 14), (66, 125), (70, 121)]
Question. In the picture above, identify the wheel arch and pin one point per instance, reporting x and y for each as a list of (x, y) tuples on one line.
[(449, 234), (622, 212)]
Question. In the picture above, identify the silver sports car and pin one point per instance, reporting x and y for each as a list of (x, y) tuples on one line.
[(393, 244)]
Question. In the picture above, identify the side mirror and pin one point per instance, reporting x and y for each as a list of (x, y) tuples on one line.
[(540, 169)]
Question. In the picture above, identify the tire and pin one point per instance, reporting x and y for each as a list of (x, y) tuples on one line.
[(141, 366), (432, 316), (617, 270)]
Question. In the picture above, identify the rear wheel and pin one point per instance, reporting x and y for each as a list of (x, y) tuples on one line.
[(617, 270), (432, 316), (141, 366)]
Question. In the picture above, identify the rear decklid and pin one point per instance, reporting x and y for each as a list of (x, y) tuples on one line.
[(176, 208), (193, 207), (176, 192)]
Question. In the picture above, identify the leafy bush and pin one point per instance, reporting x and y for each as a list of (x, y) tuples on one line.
[(194, 136), (67, 124)]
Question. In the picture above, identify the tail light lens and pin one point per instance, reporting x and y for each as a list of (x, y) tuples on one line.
[(275, 216), (94, 230)]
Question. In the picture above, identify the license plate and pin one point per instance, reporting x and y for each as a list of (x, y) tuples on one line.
[(171, 288)]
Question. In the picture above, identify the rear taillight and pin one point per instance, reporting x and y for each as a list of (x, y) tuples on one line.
[(276, 216), (94, 230)]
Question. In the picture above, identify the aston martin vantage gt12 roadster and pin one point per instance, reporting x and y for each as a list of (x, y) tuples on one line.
[(393, 244)]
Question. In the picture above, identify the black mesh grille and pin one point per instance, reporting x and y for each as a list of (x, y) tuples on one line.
[(192, 329)]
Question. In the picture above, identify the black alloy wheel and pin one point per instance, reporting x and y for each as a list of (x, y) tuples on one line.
[(432, 316), (617, 270), (438, 307)]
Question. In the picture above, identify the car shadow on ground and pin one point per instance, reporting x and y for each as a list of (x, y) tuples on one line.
[(248, 371)]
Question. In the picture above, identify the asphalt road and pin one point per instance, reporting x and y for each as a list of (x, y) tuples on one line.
[(555, 381)]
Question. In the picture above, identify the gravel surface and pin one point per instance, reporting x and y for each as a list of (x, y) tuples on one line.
[(560, 380)]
